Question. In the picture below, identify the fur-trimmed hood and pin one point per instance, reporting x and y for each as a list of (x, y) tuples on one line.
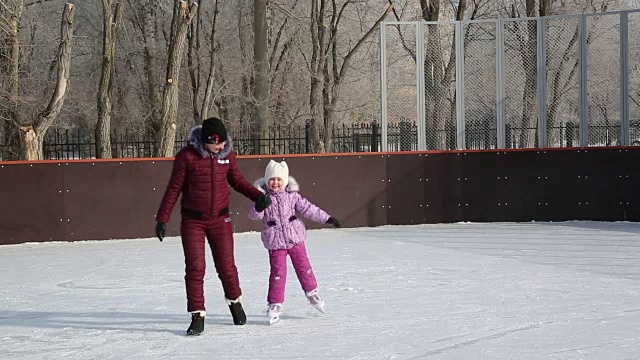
[(195, 140), (292, 186)]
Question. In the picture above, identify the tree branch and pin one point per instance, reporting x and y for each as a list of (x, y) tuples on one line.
[(36, 2), (46, 118), (402, 40), (347, 59)]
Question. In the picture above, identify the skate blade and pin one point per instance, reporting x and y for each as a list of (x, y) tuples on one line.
[(274, 320)]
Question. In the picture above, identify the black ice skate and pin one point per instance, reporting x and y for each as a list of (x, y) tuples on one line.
[(237, 312), (197, 324)]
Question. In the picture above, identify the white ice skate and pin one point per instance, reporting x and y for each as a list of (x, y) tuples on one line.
[(273, 312), (315, 300)]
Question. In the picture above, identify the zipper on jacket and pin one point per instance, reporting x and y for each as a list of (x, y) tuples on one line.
[(213, 180), (287, 237)]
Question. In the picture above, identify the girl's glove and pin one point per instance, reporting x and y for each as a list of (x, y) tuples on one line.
[(262, 203), (333, 221)]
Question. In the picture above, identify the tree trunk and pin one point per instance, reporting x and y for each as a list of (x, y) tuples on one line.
[(326, 105), (182, 16), (14, 66), (330, 92), (438, 75), (32, 134), (207, 99), (11, 108), (557, 90), (529, 121), (193, 63), (30, 143), (247, 108), (111, 20), (545, 7), (438, 87), (152, 77), (261, 63), (317, 62), (222, 102)]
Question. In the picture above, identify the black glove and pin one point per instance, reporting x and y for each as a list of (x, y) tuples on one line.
[(262, 203), (161, 229), (333, 221)]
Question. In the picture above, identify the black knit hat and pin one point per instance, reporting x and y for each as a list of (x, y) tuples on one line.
[(213, 131)]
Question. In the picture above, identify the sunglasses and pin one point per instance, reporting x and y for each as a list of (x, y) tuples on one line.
[(213, 139)]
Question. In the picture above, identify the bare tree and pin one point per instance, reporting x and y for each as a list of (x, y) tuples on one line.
[(318, 33), (528, 122), (10, 26), (278, 60), (339, 59), (438, 73), (194, 61), (32, 132), (332, 84), (145, 19), (182, 16), (202, 99), (111, 20)]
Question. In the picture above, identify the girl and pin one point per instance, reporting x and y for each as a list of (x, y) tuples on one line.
[(284, 234)]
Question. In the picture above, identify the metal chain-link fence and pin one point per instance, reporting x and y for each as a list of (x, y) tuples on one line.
[(401, 83), (603, 80), (556, 81), (439, 86), (562, 37), (520, 57), (480, 85)]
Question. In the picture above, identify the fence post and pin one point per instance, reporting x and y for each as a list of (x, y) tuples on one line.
[(420, 91), (470, 131), (256, 140), (460, 115), (450, 130), (500, 95), (374, 137), (624, 78), (307, 136), (65, 146), (355, 134), (383, 81), (541, 80), (487, 133), (584, 99), (405, 135), (569, 132)]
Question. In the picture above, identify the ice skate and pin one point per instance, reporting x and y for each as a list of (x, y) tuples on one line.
[(273, 312), (315, 300), (197, 324)]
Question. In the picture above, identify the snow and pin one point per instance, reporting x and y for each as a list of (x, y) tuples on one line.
[(448, 291)]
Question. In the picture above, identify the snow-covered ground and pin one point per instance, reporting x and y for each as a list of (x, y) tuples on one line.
[(455, 291)]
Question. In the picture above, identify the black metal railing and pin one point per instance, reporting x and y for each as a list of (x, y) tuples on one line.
[(63, 144)]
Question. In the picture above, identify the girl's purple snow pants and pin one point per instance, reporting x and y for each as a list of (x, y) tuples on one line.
[(278, 276)]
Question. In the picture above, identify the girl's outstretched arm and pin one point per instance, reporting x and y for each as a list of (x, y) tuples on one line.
[(309, 210)]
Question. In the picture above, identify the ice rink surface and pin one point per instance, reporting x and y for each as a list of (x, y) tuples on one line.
[(449, 291)]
